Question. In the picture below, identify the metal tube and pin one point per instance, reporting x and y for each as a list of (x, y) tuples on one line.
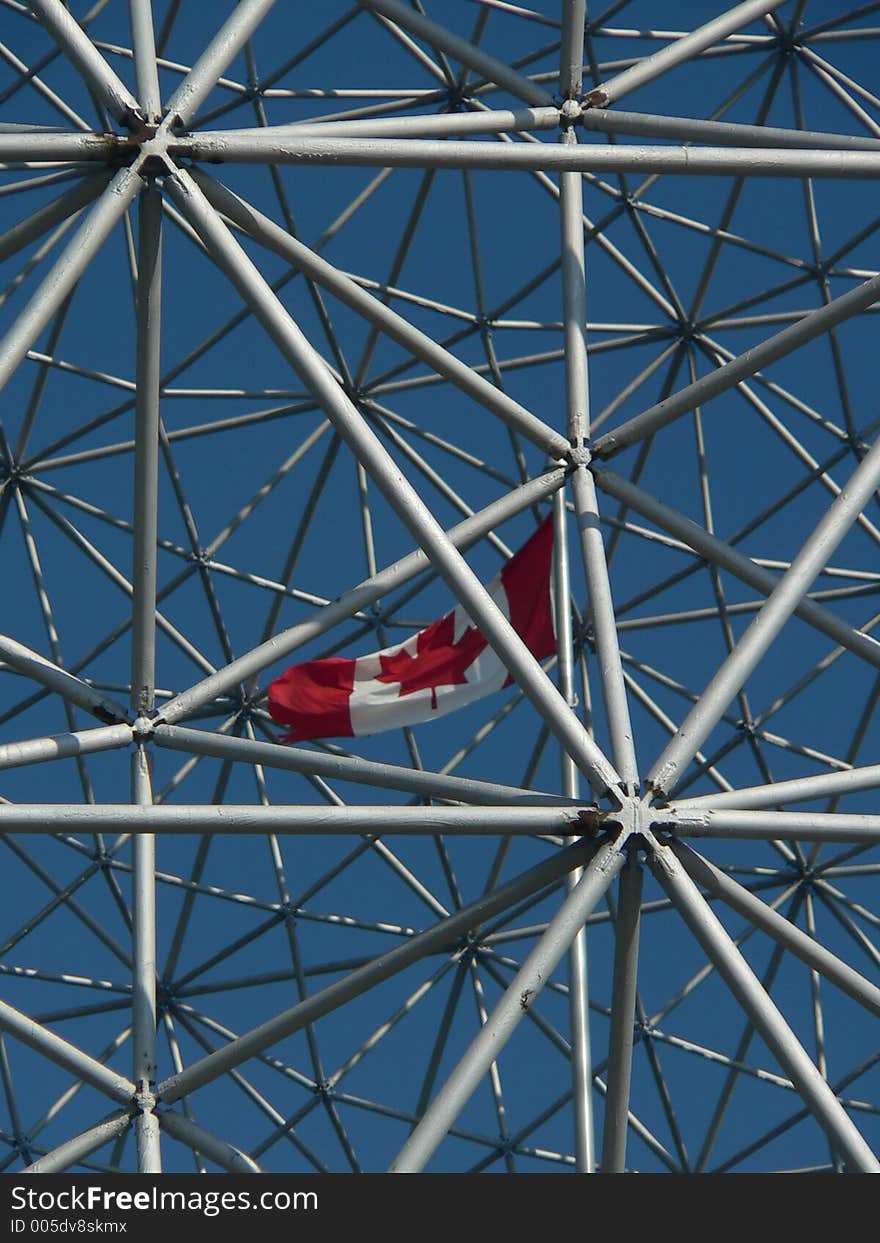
[(442, 935), (67, 269), (438, 125), (82, 53), (462, 536), (83, 192), (63, 746), (739, 368), (687, 129), (222, 1153), (264, 230), (65, 1055), (823, 785), (473, 57), (35, 666), (510, 1010), (396, 489), (578, 988), (72, 1151), (143, 1001), (605, 627), (348, 768), (766, 625), (256, 818), (746, 987), (146, 453), (220, 52), (267, 147), (783, 931), (726, 557), (571, 55), (688, 46), (623, 1006), (143, 42), (800, 826)]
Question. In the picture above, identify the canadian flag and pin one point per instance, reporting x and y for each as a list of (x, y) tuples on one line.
[(441, 668)]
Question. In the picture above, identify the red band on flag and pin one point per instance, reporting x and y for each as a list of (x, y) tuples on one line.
[(313, 698), (445, 666)]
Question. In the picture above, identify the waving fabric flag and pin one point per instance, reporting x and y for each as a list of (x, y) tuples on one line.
[(443, 667)]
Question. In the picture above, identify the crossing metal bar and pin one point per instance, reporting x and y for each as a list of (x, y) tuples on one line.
[(519, 995), (726, 557), (766, 625), (744, 984), (462, 536), (440, 937), (783, 931), (393, 485), (740, 368), (65, 1055), (350, 768), (75, 1150), (268, 147), (264, 230), (682, 49)]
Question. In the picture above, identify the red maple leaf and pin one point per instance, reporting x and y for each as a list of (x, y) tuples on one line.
[(439, 661)]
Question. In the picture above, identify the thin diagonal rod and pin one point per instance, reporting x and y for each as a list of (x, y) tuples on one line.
[(263, 230), (721, 553), (782, 602), (445, 933), (604, 627), (745, 986), (82, 53), (146, 455), (84, 191), (476, 59)]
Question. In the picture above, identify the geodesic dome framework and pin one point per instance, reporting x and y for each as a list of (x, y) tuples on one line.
[(310, 313)]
